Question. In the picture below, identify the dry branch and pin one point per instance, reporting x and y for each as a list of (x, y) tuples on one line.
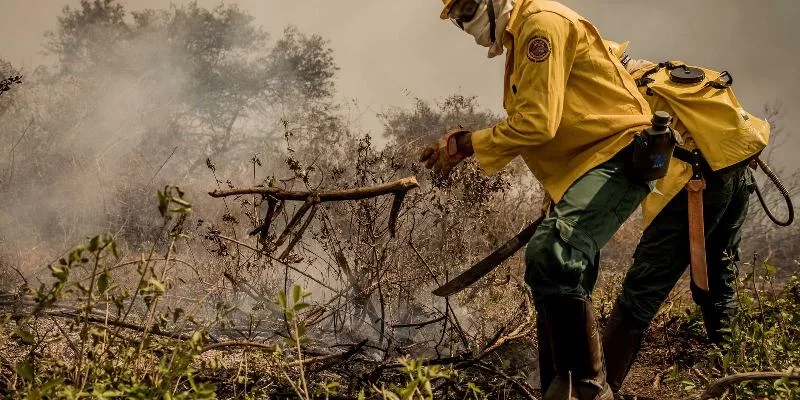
[(299, 234), (271, 346), (419, 325), (237, 343), (395, 212), (718, 387), (102, 321), (285, 264), (521, 387), (399, 186), (311, 200), (263, 229)]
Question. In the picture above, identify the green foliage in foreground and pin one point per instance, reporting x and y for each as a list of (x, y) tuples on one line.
[(764, 336), (103, 357), (105, 360)]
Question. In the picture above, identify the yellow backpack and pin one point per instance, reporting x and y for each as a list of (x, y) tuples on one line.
[(707, 114)]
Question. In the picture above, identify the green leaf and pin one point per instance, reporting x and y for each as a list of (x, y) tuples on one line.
[(282, 299), (474, 388), (94, 244), (181, 202), (156, 284), (102, 282), (75, 254), (408, 391), (114, 250), (300, 307), (52, 383), (296, 291), (59, 273), (97, 332), (181, 210), (25, 370), (26, 336), (197, 337), (771, 269)]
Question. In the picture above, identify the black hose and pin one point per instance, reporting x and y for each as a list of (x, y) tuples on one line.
[(785, 193)]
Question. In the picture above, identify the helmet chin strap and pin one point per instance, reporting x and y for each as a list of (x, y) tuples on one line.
[(492, 22)]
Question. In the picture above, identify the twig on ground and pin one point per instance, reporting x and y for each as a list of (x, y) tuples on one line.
[(718, 387), (521, 387), (419, 325), (237, 343), (271, 346)]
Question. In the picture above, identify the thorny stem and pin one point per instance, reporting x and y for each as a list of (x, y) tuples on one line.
[(142, 276), (85, 332), (761, 311), (152, 311), (300, 356), (287, 265)]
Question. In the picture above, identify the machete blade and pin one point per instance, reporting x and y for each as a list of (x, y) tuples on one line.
[(483, 267)]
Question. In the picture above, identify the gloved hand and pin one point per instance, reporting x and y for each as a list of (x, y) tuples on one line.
[(444, 154)]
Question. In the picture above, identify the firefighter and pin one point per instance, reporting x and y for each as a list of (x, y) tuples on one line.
[(572, 113), (702, 122)]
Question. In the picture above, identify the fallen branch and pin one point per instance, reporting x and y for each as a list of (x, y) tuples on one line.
[(102, 321), (399, 186), (333, 357), (419, 325), (237, 343), (270, 346), (718, 387)]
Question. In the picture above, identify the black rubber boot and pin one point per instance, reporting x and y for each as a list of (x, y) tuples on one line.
[(577, 352), (715, 322), (622, 340), (547, 368)]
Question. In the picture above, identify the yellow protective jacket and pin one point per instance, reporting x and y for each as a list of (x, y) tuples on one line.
[(706, 118), (570, 103)]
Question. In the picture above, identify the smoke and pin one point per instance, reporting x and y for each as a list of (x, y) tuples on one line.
[(90, 141), (76, 144)]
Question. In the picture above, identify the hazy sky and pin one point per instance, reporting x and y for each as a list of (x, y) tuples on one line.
[(391, 51)]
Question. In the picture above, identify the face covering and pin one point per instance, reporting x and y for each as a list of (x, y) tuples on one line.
[(479, 26)]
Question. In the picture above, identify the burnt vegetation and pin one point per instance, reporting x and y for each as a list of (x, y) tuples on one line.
[(306, 271)]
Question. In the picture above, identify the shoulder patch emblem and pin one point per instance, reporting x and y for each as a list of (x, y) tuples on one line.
[(538, 49)]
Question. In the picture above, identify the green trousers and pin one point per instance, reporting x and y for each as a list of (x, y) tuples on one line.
[(662, 255), (562, 256)]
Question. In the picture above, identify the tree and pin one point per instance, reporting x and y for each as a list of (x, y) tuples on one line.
[(146, 97)]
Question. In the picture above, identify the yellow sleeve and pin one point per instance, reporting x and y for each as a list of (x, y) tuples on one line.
[(543, 54)]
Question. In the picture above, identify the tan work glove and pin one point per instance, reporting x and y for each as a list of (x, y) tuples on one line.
[(443, 155)]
